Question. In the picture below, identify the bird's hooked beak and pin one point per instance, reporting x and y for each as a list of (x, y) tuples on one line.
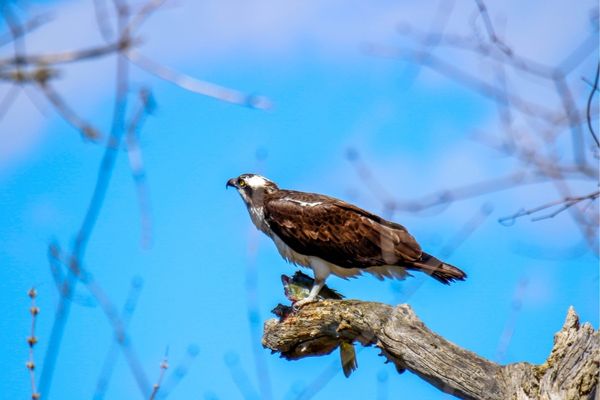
[(231, 183)]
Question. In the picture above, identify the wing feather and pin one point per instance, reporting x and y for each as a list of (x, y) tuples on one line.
[(338, 232)]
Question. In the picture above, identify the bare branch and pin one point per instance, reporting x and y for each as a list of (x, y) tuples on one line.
[(179, 372), (464, 78), (136, 163), (32, 341), (8, 100), (164, 365), (111, 355), (511, 322), (589, 106), (65, 57), (240, 377), (563, 205), (197, 86), (26, 28), (88, 132), (571, 370), (485, 16)]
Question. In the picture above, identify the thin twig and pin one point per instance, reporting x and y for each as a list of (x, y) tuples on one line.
[(487, 22), (564, 204), (464, 78), (101, 15), (179, 372), (254, 318), (25, 29), (32, 341), (87, 131), (142, 16), (65, 57), (511, 322), (111, 355), (589, 106), (164, 365), (240, 377), (195, 85), (136, 163), (8, 100)]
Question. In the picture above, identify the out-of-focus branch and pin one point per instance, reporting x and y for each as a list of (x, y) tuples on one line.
[(22, 70), (65, 57), (464, 78), (532, 124), (571, 370), (441, 198), (76, 270), (240, 377), (60, 105), (24, 29), (111, 355), (562, 205), (9, 98), (195, 85), (589, 106), (136, 164)]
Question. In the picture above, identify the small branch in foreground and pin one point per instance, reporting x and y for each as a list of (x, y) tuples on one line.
[(164, 365), (32, 341), (571, 371)]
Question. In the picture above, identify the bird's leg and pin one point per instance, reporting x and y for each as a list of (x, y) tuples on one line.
[(314, 292)]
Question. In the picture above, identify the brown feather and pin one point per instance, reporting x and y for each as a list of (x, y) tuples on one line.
[(338, 232), (348, 236)]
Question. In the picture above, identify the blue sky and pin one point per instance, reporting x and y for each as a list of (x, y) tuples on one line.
[(328, 97)]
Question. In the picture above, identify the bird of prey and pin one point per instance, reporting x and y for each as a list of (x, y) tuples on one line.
[(331, 236), (296, 288)]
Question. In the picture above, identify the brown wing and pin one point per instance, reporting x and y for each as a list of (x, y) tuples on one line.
[(338, 232)]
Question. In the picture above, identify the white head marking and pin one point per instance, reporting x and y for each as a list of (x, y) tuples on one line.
[(256, 181)]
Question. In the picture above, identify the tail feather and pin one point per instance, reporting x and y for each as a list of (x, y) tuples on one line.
[(439, 270)]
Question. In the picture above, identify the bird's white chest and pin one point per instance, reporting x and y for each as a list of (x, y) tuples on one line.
[(258, 219), (289, 254)]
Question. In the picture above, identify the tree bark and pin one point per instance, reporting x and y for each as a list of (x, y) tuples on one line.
[(570, 372)]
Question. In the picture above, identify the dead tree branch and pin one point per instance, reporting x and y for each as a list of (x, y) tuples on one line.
[(570, 372)]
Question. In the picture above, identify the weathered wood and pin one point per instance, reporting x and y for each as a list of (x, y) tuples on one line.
[(570, 372)]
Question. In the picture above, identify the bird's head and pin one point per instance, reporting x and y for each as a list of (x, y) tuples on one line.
[(252, 187)]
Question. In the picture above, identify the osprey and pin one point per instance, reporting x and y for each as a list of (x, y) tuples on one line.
[(331, 236)]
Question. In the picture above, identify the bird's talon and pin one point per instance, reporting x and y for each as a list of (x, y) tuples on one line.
[(301, 303)]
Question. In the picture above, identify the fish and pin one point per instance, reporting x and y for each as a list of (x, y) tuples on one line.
[(296, 288)]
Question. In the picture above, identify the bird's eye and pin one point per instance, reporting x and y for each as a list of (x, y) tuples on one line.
[(241, 183)]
